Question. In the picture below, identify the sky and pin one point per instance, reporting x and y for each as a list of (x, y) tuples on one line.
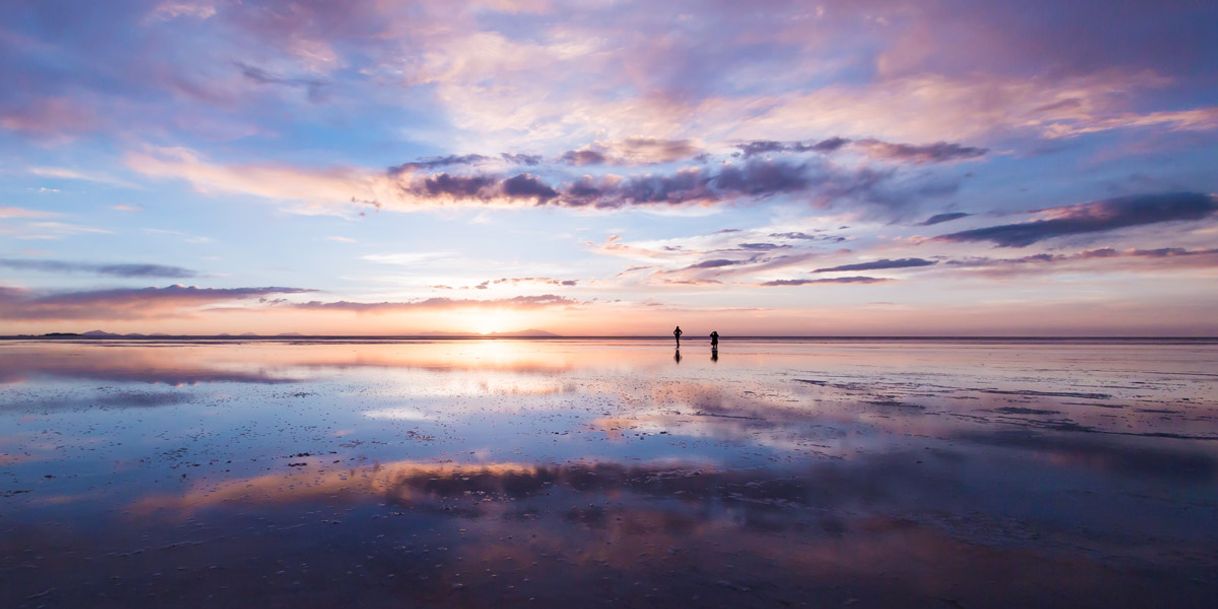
[(610, 167)]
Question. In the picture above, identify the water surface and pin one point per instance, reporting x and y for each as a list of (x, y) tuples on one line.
[(569, 473)]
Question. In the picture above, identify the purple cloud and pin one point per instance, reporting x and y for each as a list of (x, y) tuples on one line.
[(944, 217), (440, 161), (899, 263), (859, 279), (525, 186), (755, 147), (1094, 217), (1131, 259), (112, 270), (938, 152)]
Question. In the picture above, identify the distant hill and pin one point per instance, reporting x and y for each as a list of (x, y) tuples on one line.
[(530, 333), (524, 334)]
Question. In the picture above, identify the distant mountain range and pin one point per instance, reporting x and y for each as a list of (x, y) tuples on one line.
[(531, 333)]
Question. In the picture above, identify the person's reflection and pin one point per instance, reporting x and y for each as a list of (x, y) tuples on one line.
[(714, 354), (676, 356)]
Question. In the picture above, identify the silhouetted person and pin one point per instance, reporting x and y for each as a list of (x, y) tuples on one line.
[(677, 335), (715, 339), (676, 357)]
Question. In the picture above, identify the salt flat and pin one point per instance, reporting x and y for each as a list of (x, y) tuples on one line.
[(575, 473)]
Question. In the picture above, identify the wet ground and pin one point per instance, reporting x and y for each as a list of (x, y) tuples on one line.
[(609, 474)]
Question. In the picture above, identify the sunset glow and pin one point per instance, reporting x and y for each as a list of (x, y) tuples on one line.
[(609, 168)]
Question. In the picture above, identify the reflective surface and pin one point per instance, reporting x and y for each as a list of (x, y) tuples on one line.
[(609, 473)]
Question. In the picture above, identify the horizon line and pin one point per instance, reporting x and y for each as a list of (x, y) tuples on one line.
[(69, 336)]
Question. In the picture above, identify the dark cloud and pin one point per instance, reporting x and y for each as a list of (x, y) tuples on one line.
[(1165, 257), (945, 217), (583, 157), (802, 236), (123, 303), (439, 161), (829, 145), (761, 246), (758, 179), (856, 279), (714, 264), (939, 152), (685, 186), (525, 186), (886, 263), (1094, 217), (761, 178), (754, 179), (112, 270), (755, 147)]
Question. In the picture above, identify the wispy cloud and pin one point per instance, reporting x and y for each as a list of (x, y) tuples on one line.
[(123, 303), (63, 173), (1094, 260), (21, 212), (944, 217), (112, 270), (859, 279), (516, 302), (874, 265)]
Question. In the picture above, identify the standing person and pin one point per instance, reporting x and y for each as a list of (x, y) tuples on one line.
[(676, 333), (714, 339)]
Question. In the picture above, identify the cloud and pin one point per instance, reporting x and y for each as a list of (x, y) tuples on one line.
[(899, 263), (112, 270), (123, 303), (802, 236), (527, 186), (762, 246), (938, 152), (314, 88), (517, 302), (859, 279), (322, 188), (1094, 217), (408, 187), (21, 212), (48, 118), (63, 173), (1156, 259), (755, 147), (944, 217), (754, 179), (714, 264), (406, 258), (631, 151), (30, 228), (535, 280), (442, 161), (521, 159)]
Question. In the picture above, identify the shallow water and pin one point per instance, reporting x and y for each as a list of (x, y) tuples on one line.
[(566, 473)]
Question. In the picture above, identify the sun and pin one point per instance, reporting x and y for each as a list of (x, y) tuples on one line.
[(490, 322)]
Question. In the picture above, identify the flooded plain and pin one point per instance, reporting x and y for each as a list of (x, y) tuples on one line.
[(609, 473)]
